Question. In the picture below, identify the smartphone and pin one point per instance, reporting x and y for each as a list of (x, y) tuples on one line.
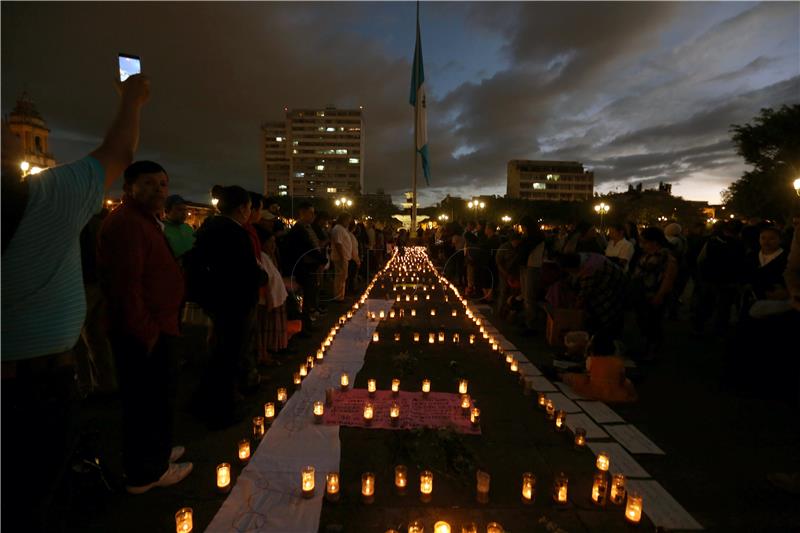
[(128, 66)]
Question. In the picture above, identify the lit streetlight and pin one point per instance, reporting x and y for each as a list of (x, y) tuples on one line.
[(214, 201), (797, 186), (476, 205), (506, 219), (343, 202), (443, 218), (602, 209), (36, 170)]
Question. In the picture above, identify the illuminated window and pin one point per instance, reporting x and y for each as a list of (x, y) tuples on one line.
[(341, 151), (539, 186), (283, 193), (553, 177), (331, 189), (281, 186), (353, 160), (329, 128), (294, 151), (320, 113), (279, 139), (320, 167), (295, 143), (299, 174)]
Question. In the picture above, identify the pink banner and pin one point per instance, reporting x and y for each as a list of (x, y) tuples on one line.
[(437, 410)]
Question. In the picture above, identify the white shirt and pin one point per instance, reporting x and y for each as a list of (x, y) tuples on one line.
[(276, 288), (340, 235), (622, 249), (765, 259), (354, 246)]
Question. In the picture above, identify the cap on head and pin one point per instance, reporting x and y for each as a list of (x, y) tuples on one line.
[(173, 200)]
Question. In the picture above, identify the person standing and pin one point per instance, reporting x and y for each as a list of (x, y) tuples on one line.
[(304, 259), (144, 288), (619, 250), (179, 234), (341, 253)]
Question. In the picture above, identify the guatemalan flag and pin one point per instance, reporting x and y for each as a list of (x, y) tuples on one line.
[(418, 95)]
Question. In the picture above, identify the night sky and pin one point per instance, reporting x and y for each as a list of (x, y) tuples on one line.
[(636, 91)]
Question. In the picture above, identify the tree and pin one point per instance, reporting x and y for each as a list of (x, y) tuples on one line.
[(772, 146)]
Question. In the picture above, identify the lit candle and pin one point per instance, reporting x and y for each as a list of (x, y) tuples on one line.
[(495, 347), (282, 395), (183, 520), (244, 450), (427, 296), (550, 409), (560, 486), (416, 527), (599, 489), (433, 312), (400, 479), (307, 478), (485, 335), (258, 427), (223, 477), (431, 338), (454, 313), (416, 337), (298, 381), (375, 337), (319, 412), (541, 400), (472, 527), (416, 298), (456, 338), (494, 527), (514, 366), (382, 314), (408, 297), (528, 485), (475, 417), (332, 486), (561, 420), (482, 486), (303, 371), (397, 337), (344, 382), (603, 461), (618, 489), (463, 384), (478, 322), (466, 403), (426, 485), (269, 412), (426, 387), (441, 336), (369, 411), (349, 314), (633, 511), (371, 387), (368, 487), (391, 314), (320, 356), (580, 438), (398, 296), (394, 414), (441, 527), (472, 339), (395, 387), (402, 313), (310, 362)]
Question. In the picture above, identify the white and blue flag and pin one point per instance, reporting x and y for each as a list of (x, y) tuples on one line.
[(417, 99)]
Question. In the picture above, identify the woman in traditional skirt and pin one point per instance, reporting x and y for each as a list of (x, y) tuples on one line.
[(272, 334)]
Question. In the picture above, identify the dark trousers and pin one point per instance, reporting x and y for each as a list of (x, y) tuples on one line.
[(146, 384), (38, 439), (310, 285), (713, 299)]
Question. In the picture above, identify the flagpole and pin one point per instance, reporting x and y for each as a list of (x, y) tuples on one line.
[(414, 173)]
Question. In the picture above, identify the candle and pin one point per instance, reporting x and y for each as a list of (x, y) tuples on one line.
[(494, 527), (514, 366), (561, 420), (580, 438), (307, 479), (258, 427), (413, 312), (599, 489), (382, 314), (483, 480), (431, 338), (633, 511), (466, 403), (509, 358), (426, 387), (223, 477), (298, 381), (426, 485), (397, 337), (398, 296), (183, 520), (408, 297), (433, 312), (269, 412), (441, 336), (441, 527), (550, 408), (560, 486), (371, 387), (618, 489), (475, 417), (463, 384), (303, 371), (472, 527), (427, 296), (456, 338), (320, 356), (400, 479), (495, 346), (603, 461), (368, 487), (416, 337), (416, 527), (244, 450), (541, 400), (332, 486), (319, 411), (310, 362), (344, 382), (416, 298), (282, 395), (349, 314), (394, 414), (485, 335), (395, 387), (369, 411), (391, 314), (375, 337), (472, 339), (454, 313), (528, 485)]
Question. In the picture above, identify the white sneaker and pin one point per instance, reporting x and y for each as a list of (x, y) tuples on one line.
[(175, 473), (176, 453)]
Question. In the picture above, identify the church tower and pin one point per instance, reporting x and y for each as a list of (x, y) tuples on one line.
[(28, 125)]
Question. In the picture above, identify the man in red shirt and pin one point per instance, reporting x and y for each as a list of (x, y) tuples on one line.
[(144, 289)]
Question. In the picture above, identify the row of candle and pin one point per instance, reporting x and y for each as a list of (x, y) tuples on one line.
[(441, 526)]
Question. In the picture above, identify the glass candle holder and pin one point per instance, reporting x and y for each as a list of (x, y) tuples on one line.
[(454, 313), (183, 520), (394, 414), (297, 380), (633, 510), (600, 489), (332, 486), (603, 461), (433, 312), (368, 487), (617, 489), (258, 427), (397, 299), (426, 387), (344, 382), (463, 385), (413, 312), (269, 412), (494, 527), (560, 487), (416, 298), (372, 386), (431, 338), (416, 527), (427, 296), (528, 487), (400, 479), (303, 371), (483, 481), (471, 527), (392, 313), (416, 337), (224, 477), (550, 409), (320, 356), (472, 339), (580, 438), (426, 485), (310, 362), (441, 336), (561, 420), (244, 450), (382, 314), (402, 313), (283, 396), (475, 417), (375, 337), (307, 482), (514, 366), (496, 347), (441, 527), (456, 338), (395, 387), (369, 412), (397, 337), (509, 358), (319, 412), (466, 404)]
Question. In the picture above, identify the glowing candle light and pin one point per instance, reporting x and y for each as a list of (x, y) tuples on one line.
[(456, 338), (495, 347), (223, 477), (561, 420), (433, 312), (427, 296), (319, 412), (426, 387), (463, 385), (580, 438), (372, 386), (441, 336), (394, 414), (541, 400), (375, 337), (431, 338), (344, 382), (618, 489), (392, 314), (633, 511), (395, 386), (416, 337), (494, 527), (397, 337), (408, 297), (368, 487), (332, 486), (369, 412), (426, 485), (269, 412), (483, 481), (528, 487), (416, 298), (320, 356), (244, 450), (349, 314), (307, 480), (454, 313), (183, 520), (413, 312), (603, 461), (560, 486), (400, 479), (514, 366), (550, 409), (599, 489), (416, 527), (258, 427), (310, 362), (382, 315), (472, 527), (398, 296), (298, 381), (402, 313), (472, 339), (466, 404), (303, 371), (509, 358), (441, 527), (475, 417)]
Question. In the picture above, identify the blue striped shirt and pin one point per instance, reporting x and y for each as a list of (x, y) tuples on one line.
[(43, 301)]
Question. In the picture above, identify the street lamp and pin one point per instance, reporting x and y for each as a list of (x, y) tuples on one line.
[(343, 202), (506, 219), (214, 201), (602, 209), (443, 218), (476, 205), (797, 186)]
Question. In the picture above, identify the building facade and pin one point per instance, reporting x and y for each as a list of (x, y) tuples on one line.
[(314, 153), (26, 123), (549, 180)]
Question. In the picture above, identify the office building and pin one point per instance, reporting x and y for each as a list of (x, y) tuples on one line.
[(549, 180)]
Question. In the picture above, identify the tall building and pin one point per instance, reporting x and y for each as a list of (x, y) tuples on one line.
[(26, 123), (549, 180), (314, 152)]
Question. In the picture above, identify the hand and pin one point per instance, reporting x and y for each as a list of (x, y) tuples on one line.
[(135, 90)]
